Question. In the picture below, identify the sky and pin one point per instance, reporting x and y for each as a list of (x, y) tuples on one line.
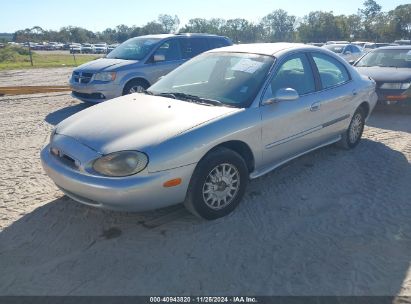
[(97, 15)]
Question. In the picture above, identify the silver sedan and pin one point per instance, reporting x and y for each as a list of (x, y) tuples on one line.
[(200, 133)]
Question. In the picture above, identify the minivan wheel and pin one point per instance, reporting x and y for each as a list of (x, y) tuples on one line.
[(135, 86), (352, 136), (217, 185)]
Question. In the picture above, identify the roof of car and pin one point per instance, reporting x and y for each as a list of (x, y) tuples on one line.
[(395, 47), (262, 48), (163, 36)]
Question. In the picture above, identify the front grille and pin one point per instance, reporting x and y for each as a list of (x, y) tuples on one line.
[(64, 158), (82, 77)]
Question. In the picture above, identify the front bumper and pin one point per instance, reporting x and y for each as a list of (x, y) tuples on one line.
[(90, 92), (133, 193)]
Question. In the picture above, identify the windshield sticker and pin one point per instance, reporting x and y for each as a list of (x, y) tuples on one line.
[(247, 65)]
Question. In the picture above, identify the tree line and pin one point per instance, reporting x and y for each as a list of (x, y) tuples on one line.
[(369, 24)]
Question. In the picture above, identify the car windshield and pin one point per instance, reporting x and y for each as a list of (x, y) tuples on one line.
[(398, 58), (133, 49), (336, 48), (231, 79)]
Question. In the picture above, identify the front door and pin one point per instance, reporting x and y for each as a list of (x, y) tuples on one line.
[(290, 127), (170, 50)]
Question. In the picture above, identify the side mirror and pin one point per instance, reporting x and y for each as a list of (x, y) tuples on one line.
[(285, 94), (159, 57)]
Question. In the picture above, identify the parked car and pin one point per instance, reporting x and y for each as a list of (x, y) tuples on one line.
[(360, 44), (349, 52), (337, 42), (403, 42), (319, 44), (100, 48), (75, 48), (371, 45), (199, 133), (53, 46), (112, 47), (137, 63), (87, 48), (390, 67)]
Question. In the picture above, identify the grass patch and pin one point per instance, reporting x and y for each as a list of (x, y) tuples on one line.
[(18, 58)]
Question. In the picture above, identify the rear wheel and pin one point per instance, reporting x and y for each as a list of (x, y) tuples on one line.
[(135, 86), (352, 136), (217, 185)]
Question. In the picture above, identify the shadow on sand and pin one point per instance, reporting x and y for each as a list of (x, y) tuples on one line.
[(61, 114)]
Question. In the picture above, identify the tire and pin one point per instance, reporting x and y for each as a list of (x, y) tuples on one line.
[(135, 86), (209, 198), (351, 138)]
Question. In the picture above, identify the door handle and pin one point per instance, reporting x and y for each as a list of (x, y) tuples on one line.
[(315, 106)]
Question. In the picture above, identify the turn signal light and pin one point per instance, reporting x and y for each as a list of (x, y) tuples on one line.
[(172, 182)]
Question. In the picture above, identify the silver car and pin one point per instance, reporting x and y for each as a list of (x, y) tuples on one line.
[(349, 52), (200, 133)]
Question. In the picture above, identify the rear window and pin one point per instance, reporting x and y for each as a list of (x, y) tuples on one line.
[(332, 72)]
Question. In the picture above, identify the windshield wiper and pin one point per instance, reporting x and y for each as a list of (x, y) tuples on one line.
[(193, 98)]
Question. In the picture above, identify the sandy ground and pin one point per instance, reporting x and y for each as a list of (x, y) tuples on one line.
[(333, 222), (37, 77)]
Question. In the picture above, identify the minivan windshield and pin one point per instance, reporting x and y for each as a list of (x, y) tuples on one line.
[(397, 58), (133, 49), (217, 78)]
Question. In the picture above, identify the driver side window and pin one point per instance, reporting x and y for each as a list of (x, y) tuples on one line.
[(294, 73), (170, 50)]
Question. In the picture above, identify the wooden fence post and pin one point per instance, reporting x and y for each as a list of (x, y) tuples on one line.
[(31, 58)]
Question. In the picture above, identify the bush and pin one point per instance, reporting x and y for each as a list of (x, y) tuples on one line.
[(12, 53)]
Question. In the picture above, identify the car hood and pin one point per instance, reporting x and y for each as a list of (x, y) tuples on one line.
[(136, 121), (104, 64), (386, 74)]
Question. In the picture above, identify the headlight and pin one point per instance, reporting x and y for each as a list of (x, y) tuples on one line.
[(122, 163), (105, 76), (395, 85)]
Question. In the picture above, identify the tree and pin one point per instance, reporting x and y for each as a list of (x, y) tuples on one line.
[(371, 9), (319, 27), (401, 21), (370, 15), (278, 26), (169, 23), (239, 30), (152, 28)]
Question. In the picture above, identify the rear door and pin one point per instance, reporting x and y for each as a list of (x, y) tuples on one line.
[(336, 95), (191, 47)]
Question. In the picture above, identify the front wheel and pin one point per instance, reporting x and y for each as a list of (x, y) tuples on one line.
[(217, 185), (135, 86), (352, 136)]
